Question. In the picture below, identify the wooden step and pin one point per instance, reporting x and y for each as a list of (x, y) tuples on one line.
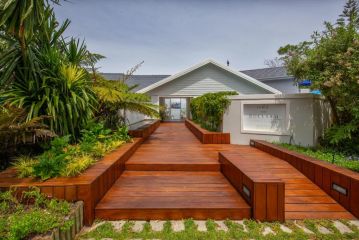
[(178, 166), (146, 195)]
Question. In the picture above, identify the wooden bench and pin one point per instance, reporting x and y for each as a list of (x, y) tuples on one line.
[(144, 130), (263, 192), (207, 137), (340, 183)]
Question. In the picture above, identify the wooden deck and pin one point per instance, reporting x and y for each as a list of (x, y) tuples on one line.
[(172, 175), (172, 147), (172, 195), (302, 198)]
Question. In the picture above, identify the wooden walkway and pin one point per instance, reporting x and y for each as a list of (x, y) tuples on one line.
[(172, 147), (303, 199), (173, 176)]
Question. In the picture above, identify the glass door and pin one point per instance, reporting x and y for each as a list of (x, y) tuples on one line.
[(175, 109)]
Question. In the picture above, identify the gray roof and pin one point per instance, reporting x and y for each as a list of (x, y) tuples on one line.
[(262, 74), (141, 80), (265, 74)]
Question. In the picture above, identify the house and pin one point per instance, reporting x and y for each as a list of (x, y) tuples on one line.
[(175, 91), (276, 77)]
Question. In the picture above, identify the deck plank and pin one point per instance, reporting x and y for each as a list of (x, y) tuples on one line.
[(200, 196)]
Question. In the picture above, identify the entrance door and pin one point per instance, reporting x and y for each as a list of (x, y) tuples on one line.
[(175, 109)]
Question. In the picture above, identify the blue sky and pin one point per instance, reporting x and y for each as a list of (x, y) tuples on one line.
[(170, 35)]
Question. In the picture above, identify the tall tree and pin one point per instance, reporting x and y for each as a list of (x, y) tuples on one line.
[(41, 72), (330, 61)]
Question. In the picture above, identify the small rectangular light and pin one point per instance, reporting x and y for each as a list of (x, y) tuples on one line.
[(340, 189), (246, 191), (252, 143)]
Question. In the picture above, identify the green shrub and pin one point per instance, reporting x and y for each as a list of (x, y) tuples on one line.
[(326, 154), (77, 165), (208, 109), (64, 159), (25, 166), (19, 221)]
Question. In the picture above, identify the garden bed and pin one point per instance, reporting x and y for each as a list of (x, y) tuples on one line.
[(144, 128), (88, 187), (340, 183), (207, 137), (35, 216)]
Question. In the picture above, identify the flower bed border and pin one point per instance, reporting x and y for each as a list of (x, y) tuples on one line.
[(76, 216), (145, 131), (88, 187), (207, 137), (327, 176)]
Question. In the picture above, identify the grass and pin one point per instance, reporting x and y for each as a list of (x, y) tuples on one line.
[(325, 155), (235, 231)]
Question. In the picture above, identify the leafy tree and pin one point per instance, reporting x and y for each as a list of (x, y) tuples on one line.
[(116, 98), (40, 71), (330, 61)]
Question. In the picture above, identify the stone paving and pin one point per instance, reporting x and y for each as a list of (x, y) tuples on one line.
[(178, 226)]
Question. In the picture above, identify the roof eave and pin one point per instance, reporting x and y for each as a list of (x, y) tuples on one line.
[(239, 74)]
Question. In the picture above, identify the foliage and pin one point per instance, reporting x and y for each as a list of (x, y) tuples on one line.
[(209, 108), (328, 155), (41, 72), (330, 61), (14, 129), (116, 98), (19, 221), (64, 159), (25, 166)]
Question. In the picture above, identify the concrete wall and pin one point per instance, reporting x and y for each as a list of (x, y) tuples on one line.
[(307, 116)]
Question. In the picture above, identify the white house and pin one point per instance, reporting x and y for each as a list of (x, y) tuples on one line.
[(267, 107), (175, 92)]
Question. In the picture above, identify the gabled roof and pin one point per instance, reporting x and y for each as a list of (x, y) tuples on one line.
[(209, 61), (266, 74), (141, 81)]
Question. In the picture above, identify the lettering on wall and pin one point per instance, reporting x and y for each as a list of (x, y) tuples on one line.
[(264, 118)]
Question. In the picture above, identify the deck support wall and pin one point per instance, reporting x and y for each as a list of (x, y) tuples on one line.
[(265, 196), (327, 176), (207, 137)]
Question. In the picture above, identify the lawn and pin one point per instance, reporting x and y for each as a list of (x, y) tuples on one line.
[(327, 155), (254, 230)]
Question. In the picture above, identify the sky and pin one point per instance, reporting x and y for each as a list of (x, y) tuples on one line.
[(171, 35)]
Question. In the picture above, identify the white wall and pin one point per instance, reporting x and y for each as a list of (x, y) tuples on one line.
[(306, 119), (208, 78), (133, 117)]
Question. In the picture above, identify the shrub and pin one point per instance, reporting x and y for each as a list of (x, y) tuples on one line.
[(25, 166), (18, 221), (77, 165), (64, 159), (208, 109), (326, 154)]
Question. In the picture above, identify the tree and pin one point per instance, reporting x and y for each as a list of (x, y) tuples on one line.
[(275, 62), (40, 71), (330, 61), (116, 98)]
